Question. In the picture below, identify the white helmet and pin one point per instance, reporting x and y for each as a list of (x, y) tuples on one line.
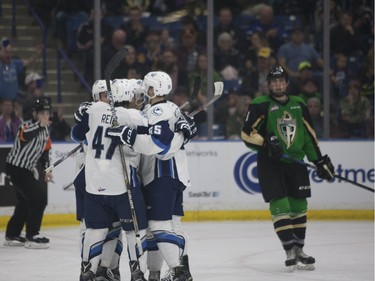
[(137, 89), (160, 81), (121, 90), (98, 87)]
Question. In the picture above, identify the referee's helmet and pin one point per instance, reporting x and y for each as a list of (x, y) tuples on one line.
[(41, 104)]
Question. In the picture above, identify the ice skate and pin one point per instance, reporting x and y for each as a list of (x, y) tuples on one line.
[(185, 263), (136, 273), (14, 241), (178, 273), (104, 274), (305, 262), (37, 242), (87, 276), (291, 261), (154, 276)]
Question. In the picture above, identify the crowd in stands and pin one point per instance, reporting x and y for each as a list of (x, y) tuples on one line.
[(249, 38)]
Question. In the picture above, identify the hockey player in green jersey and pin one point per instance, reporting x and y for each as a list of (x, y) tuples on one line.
[(278, 125)]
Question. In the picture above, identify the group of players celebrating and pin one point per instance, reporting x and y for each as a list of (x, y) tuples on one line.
[(132, 171)]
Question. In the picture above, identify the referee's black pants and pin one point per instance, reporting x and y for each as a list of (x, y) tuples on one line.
[(31, 202)]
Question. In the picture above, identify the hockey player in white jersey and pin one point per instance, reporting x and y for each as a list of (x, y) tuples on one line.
[(162, 176), (112, 246), (106, 199)]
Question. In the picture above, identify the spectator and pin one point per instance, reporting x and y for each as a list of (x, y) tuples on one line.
[(108, 50), (188, 50), (344, 38), (291, 54), (354, 112), (167, 41), (85, 44), (254, 79), (238, 106), (227, 25), (225, 55), (60, 129), (9, 122), (340, 76), (168, 64), (314, 106), (149, 53), (33, 91), (310, 90), (305, 74), (258, 41), (12, 69), (130, 62), (265, 22), (135, 30), (367, 79)]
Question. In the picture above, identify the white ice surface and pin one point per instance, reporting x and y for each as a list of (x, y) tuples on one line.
[(220, 251)]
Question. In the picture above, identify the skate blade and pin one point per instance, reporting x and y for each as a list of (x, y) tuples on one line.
[(13, 244), (307, 267), (36, 246), (290, 268)]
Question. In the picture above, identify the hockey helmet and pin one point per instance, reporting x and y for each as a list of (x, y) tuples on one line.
[(277, 72), (160, 81), (121, 90), (41, 105), (98, 87)]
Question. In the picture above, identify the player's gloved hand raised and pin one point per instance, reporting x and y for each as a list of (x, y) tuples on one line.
[(186, 125), (272, 147), (123, 135), (324, 168), (78, 114)]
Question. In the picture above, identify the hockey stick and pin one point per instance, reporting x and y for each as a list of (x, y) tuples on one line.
[(194, 93), (219, 86), (286, 156), (70, 153), (66, 187), (110, 67)]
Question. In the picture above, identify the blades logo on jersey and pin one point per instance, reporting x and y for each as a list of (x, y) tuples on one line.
[(157, 111), (287, 126)]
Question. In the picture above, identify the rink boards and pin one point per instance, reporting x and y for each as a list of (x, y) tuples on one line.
[(224, 184)]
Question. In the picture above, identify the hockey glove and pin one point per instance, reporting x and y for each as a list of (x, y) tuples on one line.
[(273, 148), (324, 168), (78, 115), (123, 135), (186, 125)]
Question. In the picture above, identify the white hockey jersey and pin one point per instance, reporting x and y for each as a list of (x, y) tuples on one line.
[(171, 161), (104, 171)]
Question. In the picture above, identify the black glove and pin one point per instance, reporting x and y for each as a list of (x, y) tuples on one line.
[(324, 168), (272, 147), (186, 125), (123, 135), (78, 114)]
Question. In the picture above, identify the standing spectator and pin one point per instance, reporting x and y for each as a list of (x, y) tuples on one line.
[(227, 25), (9, 122), (278, 125), (135, 30), (32, 145), (340, 76), (12, 68), (314, 106), (354, 112)]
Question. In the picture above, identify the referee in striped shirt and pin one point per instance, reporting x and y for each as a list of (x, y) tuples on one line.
[(31, 145)]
